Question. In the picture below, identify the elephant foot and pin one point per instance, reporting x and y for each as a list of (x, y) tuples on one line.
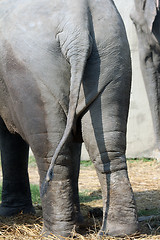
[(79, 220), (11, 211), (119, 209), (63, 230), (119, 230), (57, 233)]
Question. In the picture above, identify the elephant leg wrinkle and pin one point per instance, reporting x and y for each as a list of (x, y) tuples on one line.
[(61, 218)]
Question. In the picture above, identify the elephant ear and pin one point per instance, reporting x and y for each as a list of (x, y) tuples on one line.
[(150, 11)]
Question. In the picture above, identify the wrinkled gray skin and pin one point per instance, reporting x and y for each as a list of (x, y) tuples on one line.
[(47, 48), (146, 17)]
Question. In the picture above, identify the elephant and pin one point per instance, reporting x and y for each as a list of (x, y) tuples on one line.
[(65, 73), (146, 18)]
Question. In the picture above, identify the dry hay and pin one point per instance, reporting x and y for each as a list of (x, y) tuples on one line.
[(30, 227), (20, 227), (145, 180)]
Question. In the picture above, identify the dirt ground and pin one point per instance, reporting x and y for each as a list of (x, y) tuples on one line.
[(145, 180)]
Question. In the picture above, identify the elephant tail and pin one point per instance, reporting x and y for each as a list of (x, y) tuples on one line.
[(77, 57)]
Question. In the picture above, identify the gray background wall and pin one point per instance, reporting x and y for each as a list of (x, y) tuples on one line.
[(140, 135)]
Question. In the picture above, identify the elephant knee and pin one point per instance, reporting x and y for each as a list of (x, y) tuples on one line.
[(62, 168), (109, 162)]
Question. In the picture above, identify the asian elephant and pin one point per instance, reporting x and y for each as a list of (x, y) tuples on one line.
[(146, 18), (65, 77)]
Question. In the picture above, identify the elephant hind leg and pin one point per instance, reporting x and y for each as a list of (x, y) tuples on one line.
[(16, 195), (60, 204), (104, 136)]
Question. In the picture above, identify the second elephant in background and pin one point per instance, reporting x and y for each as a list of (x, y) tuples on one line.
[(146, 18)]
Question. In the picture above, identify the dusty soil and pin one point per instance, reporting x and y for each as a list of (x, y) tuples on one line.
[(145, 180)]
